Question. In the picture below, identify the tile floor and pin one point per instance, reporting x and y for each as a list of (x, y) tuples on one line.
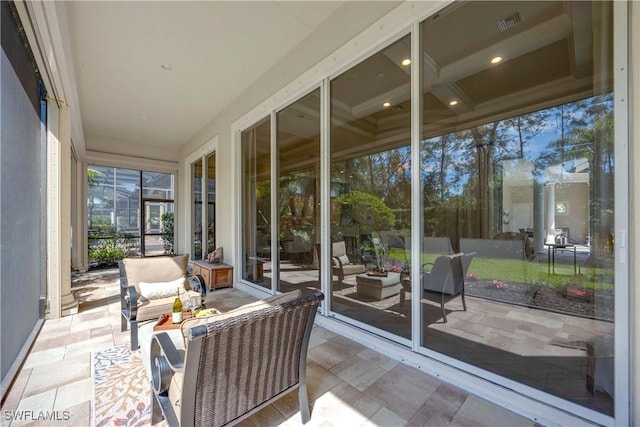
[(542, 349), (349, 384)]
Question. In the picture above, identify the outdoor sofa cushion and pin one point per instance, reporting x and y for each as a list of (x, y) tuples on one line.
[(155, 270), (159, 290)]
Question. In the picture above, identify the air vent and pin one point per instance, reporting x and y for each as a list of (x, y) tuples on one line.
[(509, 21)]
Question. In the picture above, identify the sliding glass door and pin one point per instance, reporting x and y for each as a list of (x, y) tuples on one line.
[(497, 120), (517, 171), (371, 190)]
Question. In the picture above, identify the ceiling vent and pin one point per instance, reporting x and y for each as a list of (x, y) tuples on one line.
[(509, 21)]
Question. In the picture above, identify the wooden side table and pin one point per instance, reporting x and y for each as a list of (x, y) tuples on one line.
[(214, 275)]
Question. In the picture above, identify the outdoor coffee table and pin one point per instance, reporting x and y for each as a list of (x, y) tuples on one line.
[(165, 323), (378, 287)]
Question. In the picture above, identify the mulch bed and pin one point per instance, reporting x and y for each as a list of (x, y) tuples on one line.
[(590, 304)]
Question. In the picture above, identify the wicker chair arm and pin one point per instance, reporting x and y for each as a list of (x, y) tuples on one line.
[(335, 258), (197, 332)]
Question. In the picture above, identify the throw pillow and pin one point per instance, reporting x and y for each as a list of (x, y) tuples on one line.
[(344, 259), (159, 290)]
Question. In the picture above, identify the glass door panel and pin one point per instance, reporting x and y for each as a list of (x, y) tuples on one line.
[(158, 228), (196, 210), (256, 211), (298, 142), (517, 167), (211, 202), (371, 190)]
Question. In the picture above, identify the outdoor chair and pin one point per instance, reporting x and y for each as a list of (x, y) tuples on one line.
[(431, 245), (466, 263), (342, 266), (445, 277), (148, 289), (234, 364), (437, 245)]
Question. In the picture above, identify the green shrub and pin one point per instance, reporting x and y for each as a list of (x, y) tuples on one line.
[(108, 249), (106, 254), (368, 211), (167, 233)]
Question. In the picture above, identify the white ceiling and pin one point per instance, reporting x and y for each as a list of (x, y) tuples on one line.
[(215, 49)]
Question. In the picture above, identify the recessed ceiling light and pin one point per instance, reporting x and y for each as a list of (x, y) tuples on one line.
[(496, 59), (406, 62), (453, 102), (381, 75), (166, 67), (386, 104)]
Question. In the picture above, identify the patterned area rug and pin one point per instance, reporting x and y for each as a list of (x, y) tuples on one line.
[(121, 388)]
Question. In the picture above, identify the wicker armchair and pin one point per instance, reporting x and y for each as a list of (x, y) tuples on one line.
[(234, 366)]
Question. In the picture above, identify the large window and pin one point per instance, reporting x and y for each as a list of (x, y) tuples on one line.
[(203, 219), (130, 213), (504, 265)]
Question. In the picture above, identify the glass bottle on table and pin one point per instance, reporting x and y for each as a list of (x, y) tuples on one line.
[(176, 315)]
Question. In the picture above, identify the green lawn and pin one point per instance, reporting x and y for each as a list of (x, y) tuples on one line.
[(520, 271)]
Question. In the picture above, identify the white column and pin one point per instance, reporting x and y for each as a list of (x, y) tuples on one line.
[(550, 209), (61, 301), (80, 237)]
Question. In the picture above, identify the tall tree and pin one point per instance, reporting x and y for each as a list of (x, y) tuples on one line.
[(527, 127)]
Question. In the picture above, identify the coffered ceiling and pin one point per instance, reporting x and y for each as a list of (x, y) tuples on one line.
[(550, 53)]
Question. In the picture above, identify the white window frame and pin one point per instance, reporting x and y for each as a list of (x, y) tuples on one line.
[(202, 153)]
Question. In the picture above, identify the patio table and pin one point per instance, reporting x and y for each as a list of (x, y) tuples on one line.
[(551, 256)]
